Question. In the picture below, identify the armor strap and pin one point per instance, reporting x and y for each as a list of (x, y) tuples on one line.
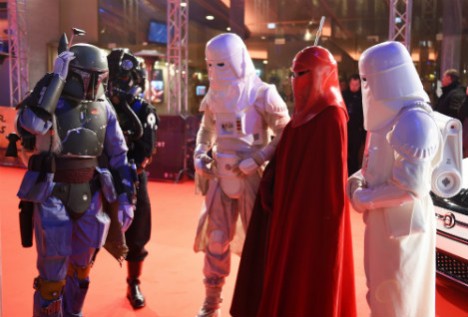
[(49, 290), (82, 272), (52, 309)]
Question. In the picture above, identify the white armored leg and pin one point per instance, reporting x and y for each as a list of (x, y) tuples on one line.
[(211, 305)]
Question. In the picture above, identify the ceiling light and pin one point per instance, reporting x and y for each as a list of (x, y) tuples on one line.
[(228, 29), (183, 4), (271, 26), (209, 17)]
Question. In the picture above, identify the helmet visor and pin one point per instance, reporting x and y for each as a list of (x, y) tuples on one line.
[(92, 82)]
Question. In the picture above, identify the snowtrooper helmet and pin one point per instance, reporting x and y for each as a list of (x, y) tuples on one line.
[(227, 58), (389, 82)]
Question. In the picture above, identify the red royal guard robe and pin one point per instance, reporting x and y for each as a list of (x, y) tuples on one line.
[(307, 262)]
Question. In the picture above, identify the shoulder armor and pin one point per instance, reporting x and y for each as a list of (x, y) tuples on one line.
[(415, 135), (271, 101)]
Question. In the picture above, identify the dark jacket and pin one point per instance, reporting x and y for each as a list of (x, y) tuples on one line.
[(451, 100)]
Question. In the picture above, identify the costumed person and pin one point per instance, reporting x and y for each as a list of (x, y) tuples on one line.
[(139, 122), (392, 189), (63, 190), (233, 143), (304, 265)]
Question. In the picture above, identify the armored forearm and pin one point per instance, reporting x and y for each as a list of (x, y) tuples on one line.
[(49, 98), (206, 132), (125, 179)]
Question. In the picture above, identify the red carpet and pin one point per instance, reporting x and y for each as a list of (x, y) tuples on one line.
[(172, 278)]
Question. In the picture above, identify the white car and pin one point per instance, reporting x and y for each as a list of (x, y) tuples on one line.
[(452, 233)]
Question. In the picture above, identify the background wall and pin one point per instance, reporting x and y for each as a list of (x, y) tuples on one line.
[(82, 14), (42, 26), (46, 20)]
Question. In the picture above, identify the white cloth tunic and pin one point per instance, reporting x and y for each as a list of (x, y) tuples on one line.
[(399, 249), (235, 131)]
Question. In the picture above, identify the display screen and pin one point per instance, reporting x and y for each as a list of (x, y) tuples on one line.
[(157, 86), (200, 90), (157, 32)]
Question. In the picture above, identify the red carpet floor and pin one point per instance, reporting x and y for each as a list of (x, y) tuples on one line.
[(172, 278)]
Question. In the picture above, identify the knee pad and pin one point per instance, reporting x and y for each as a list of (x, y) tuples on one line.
[(214, 281), (49, 290), (218, 242), (81, 273)]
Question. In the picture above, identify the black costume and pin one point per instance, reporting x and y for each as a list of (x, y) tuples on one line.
[(139, 122)]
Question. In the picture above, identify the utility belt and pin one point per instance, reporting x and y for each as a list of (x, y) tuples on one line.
[(231, 183), (48, 163), (72, 180), (75, 180)]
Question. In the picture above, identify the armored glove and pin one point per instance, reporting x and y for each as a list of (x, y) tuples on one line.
[(203, 165), (61, 64), (248, 166), (355, 184), (125, 212)]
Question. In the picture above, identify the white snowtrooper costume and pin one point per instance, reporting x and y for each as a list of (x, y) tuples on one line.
[(392, 188), (240, 112)]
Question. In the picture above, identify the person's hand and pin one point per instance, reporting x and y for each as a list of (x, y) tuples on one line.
[(203, 165), (354, 186), (356, 202), (248, 166), (61, 64), (125, 213)]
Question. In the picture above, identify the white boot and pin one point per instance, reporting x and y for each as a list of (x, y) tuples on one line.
[(211, 305)]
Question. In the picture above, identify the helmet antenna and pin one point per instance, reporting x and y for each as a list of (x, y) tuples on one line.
[(64, 45), (319, 31), (76, 32)]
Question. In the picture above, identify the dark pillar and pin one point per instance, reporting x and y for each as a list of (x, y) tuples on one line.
[(236, 17)]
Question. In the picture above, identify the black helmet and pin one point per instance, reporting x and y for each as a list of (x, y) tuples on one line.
[(88, 72), (124, 73), (141, 74)]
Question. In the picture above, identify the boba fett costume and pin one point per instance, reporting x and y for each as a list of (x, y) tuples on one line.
[(73, 124)]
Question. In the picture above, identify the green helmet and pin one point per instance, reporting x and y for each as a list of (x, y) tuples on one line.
[(87, 74)]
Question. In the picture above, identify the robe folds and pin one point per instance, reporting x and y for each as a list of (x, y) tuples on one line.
[(297, 259)]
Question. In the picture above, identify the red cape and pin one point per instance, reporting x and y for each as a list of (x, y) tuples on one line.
[(302, 256)]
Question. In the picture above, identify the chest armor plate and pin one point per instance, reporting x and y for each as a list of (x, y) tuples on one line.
[(378, 159), (81, 127), (246, 126)]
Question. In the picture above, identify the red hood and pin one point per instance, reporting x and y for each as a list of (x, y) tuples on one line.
[(315, 84)]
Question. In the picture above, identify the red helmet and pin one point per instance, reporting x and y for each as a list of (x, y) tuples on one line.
[(315, 83)]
